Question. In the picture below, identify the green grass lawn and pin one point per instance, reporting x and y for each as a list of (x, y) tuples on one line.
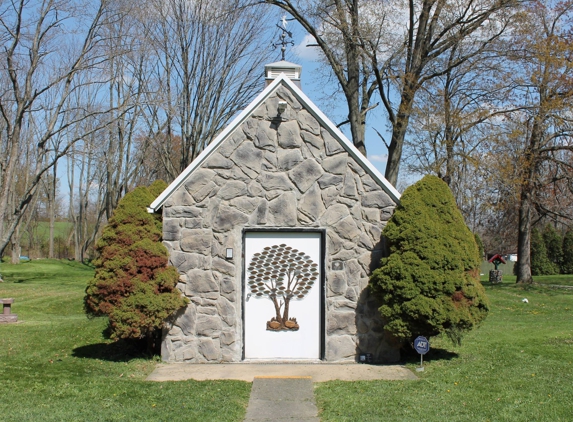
[(55, 365), (518, 366)]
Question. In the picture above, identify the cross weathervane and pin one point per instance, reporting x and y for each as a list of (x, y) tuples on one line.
[(284, 32)]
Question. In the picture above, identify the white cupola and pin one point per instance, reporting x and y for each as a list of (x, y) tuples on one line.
[(291, 70)]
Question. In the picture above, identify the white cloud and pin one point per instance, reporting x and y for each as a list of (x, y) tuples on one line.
[(381, 158), (307, 53)]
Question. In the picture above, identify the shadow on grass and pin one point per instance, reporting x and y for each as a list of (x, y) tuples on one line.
[(118, 351), (434, 355)]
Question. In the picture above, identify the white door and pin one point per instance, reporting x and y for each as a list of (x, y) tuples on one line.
[(282, 295)]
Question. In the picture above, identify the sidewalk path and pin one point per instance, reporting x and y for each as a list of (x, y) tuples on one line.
[(319, 372), (282, 399)]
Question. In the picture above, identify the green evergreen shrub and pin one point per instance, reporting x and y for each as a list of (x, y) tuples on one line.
[(540, 262), (133, 285), (567, 263), (429, 284), (554, 247)]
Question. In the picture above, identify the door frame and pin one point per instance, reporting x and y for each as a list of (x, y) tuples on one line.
[(322, 232)]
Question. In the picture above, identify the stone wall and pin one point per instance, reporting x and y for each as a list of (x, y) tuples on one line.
[(272, 171)]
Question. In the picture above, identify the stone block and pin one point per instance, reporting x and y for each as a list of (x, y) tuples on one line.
[(288, 158), (275, 181), (336, 164), (334, 214), (229, 146), (198, 180), (171, 229), (181, 198), (327, 180), (250, 127), (186, 321), (376, 199), (193, 223), (330, 195), (286, 95), (208, 190), (259, 217), (248, 157), (227, 337), (233, 189), (340, 348), (349, 190), (255, 190), (235, 173), (372, 215), (341, 323), (223, 266), (308, 123), (313, 141), (265, 136), (369, 184), (337, 283), (210, 349), (208, 325), (182, 212), (332, 146), (334, 243), (305, 174), (226, 311), (185, 261), (206, 310), (289, 135), (200, 281), (245, 204), (311, 204), (228, 218), (218, 161), (196, 241), (282, 210)]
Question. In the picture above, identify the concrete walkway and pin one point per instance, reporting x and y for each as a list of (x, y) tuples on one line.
[(282, 399), (319, 372)]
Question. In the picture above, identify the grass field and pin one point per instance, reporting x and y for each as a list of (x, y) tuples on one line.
[(55, 365), (518, 366)]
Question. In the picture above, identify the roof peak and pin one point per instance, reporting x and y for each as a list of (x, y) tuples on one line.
[(291, 70)]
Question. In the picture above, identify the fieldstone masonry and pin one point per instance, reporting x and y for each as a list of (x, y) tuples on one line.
[(274, 171)]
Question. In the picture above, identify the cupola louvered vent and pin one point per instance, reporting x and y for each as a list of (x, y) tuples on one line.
[(291, 70)]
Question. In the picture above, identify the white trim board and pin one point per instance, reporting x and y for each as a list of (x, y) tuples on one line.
[(237, 121)]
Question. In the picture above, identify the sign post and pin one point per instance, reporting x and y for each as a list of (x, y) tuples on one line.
[(422, 346)]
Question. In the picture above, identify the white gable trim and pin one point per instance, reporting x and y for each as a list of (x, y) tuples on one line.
[(311, 107)]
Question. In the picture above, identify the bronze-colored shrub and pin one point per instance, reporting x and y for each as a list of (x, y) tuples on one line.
[(133, 285)]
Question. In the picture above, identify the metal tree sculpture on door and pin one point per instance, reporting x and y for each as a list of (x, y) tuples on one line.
[(282, 274)]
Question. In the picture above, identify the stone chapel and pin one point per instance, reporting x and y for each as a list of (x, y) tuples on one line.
[(275, 229)]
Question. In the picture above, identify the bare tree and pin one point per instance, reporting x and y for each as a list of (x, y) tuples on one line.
[(207, 61), (41, 69), (403, 57)]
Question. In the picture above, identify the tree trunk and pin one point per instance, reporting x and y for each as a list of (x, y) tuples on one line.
[(277, 309), (399, 132), (524, 237), (285, 314), (15, 242)]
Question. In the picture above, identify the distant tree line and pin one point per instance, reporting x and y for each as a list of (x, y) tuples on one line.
[(551, 253)]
